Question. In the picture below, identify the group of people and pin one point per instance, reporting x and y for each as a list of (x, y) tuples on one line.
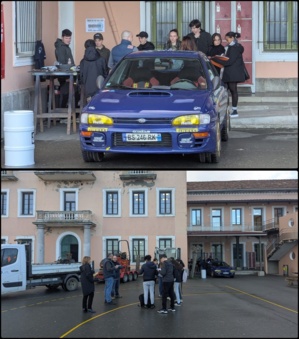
[(98, 59), (169, 273)]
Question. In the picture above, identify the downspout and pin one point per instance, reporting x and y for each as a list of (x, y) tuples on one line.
[(112, 22)]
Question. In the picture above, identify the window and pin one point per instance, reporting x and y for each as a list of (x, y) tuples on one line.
[(167, 15), (236, 216), (278, 212), (165, 243), (196, 217), (69, 201), (138, 203), (217, 252), (4, 202), (257, 252), (111, 246), (138, 248), (8, 256), (112, 203), (216, 219), (28, 29), (257, 219), (281, 25), (165, 202), (27, 203)]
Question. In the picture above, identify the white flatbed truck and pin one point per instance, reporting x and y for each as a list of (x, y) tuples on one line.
[(19, 274)]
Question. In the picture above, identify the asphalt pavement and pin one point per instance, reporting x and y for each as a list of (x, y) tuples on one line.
[(242, 307)]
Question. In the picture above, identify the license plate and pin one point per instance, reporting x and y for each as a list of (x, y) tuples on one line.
[(136, 137), (225, 272)]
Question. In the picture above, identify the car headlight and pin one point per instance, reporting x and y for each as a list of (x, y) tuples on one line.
[(191, 120), (95, 119), (232, 271), (217, 271)]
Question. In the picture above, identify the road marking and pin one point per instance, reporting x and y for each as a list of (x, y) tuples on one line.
[(262, 299)]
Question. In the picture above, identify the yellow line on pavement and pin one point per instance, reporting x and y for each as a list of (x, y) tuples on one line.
[(94, 317), (262, 299)]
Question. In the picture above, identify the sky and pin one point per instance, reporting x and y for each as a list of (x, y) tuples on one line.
[(240, 175)]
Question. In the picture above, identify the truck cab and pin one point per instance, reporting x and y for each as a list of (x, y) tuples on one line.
[(13, 268)]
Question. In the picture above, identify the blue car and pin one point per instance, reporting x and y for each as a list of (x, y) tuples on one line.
[(158, 102), (219, 269)]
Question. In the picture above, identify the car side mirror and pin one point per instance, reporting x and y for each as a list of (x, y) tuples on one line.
[(216, 82), (100, 80)]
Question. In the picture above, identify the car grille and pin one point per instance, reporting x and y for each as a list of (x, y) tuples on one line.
[(148, 121), (166, 141)]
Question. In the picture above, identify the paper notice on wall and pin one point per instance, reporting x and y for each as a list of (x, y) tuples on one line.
[(95, 25)]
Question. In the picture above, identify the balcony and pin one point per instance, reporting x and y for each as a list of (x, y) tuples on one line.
[(133, 175), (64, 218), (226, 230), (8, 176), (65, 175)]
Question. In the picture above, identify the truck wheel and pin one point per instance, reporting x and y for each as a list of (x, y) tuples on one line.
[(125, 278), (52, 287), (135, 276), (130, 276), (71, 284)]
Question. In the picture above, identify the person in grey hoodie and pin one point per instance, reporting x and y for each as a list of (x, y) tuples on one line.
[(149, 271)]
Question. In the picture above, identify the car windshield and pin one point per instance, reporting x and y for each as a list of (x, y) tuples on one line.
[(220, 263), (158, 73)]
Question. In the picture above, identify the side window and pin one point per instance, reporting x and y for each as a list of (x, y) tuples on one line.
[(8, 256), (211, 70)]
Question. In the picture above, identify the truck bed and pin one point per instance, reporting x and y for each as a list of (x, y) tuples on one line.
[(53, 268)]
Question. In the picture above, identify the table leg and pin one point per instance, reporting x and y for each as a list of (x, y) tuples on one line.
[(37, 84)]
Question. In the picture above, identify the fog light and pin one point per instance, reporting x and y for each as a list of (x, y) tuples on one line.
[(201, 134), (86, 134)]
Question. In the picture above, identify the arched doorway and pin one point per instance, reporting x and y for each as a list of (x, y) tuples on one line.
[(69, 248)]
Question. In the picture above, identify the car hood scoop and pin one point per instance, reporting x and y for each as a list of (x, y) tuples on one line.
[(149, 94)]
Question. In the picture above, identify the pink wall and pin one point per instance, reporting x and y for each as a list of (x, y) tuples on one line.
[(277, 69)]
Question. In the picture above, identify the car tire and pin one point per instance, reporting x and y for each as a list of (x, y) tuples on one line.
[(202, 157), (92, 156), (212, 274), (226, 127), (215, 157)]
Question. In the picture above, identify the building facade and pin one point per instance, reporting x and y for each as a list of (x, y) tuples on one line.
[(269, 34), (70, 214)]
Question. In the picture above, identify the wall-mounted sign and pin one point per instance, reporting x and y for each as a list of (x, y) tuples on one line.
[(95, 25)]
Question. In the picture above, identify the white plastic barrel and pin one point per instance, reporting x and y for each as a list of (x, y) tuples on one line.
[(19, 138), (203, 274)]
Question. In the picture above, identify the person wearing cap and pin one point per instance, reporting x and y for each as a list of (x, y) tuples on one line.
[(101, 49), (119, 51), (144, 44)]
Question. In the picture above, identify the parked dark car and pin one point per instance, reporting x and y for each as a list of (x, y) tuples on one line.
[(219, 269), (157, 102)]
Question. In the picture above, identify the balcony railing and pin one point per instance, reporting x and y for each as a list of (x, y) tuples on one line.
[(226, 228), (64, 217), (288, 235), (270, 224), (138, 174)]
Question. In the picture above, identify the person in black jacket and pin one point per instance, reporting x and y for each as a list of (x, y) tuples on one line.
[(91, 66), (178, 275), (202, 39), (168, 280), (149, 271), (87, 284), (233, 68), (216, 48), (144, 44)]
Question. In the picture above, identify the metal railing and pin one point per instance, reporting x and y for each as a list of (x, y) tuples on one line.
[(226, 228)]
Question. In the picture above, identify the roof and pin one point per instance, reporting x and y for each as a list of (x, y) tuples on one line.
[(165, 53), (245, 185)]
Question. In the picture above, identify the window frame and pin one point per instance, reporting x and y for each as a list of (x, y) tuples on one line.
[(144, 239), (241, 216), (218, 228), (105, 205), (172, 203), (6, 192), (145, 202), (191, 217), (20, 203), (26, 59)]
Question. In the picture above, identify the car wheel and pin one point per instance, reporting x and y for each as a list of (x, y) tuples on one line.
[(226, 127), (215, 157), (208, 158), (212, 274), (92, 156), (202, 157), (232, 276)]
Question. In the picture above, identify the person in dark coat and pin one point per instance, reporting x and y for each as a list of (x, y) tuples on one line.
[(144, 44), (149, 271), (178, 275), (202, 39), (216, 49), (168, 280), (63, 54), (173, 43), (116, 283), (233, 68), (87, 284), (103, 51), (91, 66)]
